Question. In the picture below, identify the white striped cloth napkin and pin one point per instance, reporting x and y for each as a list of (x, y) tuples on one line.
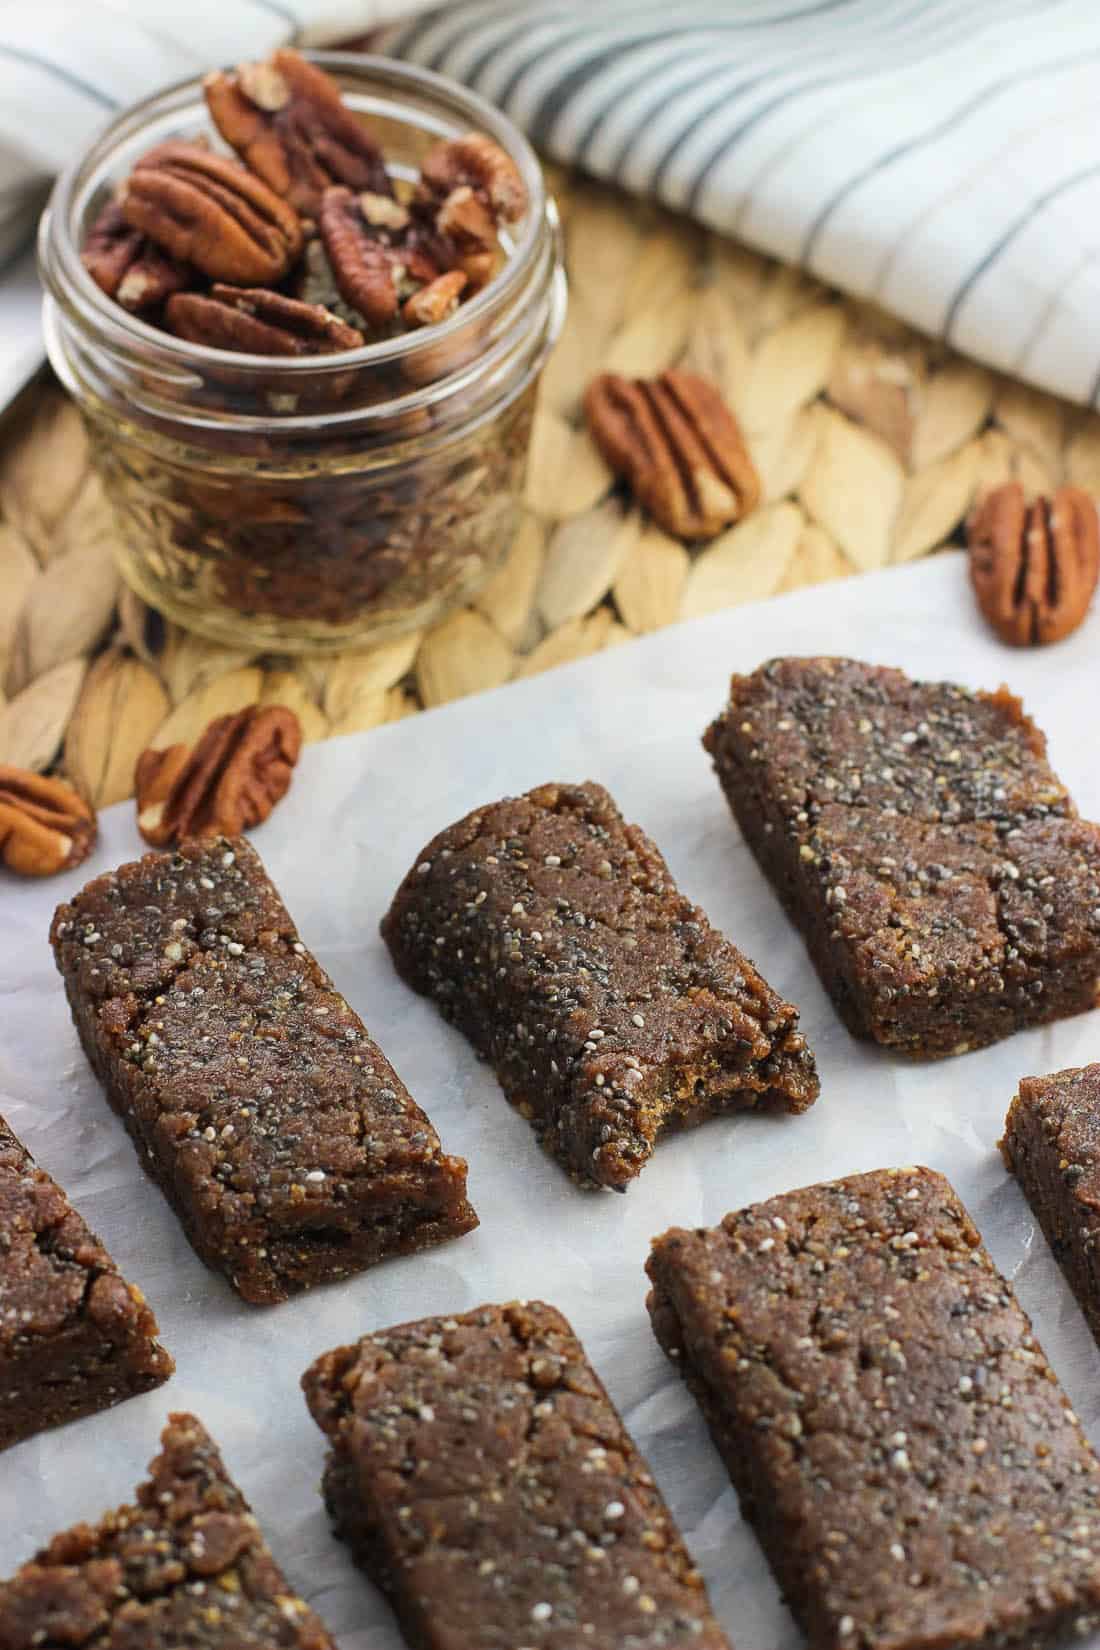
[(941, 157)]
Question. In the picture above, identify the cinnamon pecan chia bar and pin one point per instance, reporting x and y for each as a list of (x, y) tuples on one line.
[(898, 1441), (273, 1123), (551, 932), (482, 1477), (186, 1568), (74, 1336), (945, 887), (1052, 1145)]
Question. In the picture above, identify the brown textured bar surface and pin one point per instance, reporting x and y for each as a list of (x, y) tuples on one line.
[(186, 1566), (552, 934), (917, 835), (895, 1434), (74, 1336), (482, 1477), (273, 1123), (1052, 1145)]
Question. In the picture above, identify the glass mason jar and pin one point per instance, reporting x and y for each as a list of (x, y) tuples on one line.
[(310, 504)]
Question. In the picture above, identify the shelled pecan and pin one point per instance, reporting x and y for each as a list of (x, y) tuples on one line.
[(679, 448), (258, 322), (213, 213), (378, 254), (475, 162), (1034, 567), (188, 216), (363, 265), (45, 826), (468, 188), (240, 768), (434, 302), (127, 266), (288, 122)]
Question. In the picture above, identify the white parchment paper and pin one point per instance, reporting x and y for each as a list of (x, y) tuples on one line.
[(358, 813)]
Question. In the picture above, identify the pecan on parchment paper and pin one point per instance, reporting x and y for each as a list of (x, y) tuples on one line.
[(679, 448), (213, 213), (258, 322), (1034, 567), (288, 121), (44, 825), (229, 781), (127, 266)]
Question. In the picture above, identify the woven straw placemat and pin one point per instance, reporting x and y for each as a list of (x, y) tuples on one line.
[(870, 440)]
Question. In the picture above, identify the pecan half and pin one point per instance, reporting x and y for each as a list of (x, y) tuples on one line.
[(212, 212), (437, 300), (1034, 567), (476, 162), (258, 322), (468, 187), (679, 448), (364, 264), (44, 825), (234, 776), (127, 266), (288, 121)]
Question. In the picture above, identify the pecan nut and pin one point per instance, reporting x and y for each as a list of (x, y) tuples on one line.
[(475, 162), (258, 322), (436, 301), (230, 780), (288, 121), (44, 825), (363, 265), (378, 253), (213, 213), (679, 448), (127, 266), (468, 187), (1034, 567)]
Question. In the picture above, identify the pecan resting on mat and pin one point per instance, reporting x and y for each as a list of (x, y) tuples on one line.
[(240, 768), (678, 447)]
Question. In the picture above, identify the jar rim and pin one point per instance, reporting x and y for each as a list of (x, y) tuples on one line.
[(71, 286)]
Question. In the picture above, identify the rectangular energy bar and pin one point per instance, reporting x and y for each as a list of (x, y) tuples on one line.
[(898, 1441), (74, 1336), (552, 934), (946, 890), (482, 1477), (273, 1123)]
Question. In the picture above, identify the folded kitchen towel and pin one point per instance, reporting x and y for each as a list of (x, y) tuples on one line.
[(940, 157)]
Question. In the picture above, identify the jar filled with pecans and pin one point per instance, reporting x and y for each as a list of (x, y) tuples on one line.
[(308, 367)]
